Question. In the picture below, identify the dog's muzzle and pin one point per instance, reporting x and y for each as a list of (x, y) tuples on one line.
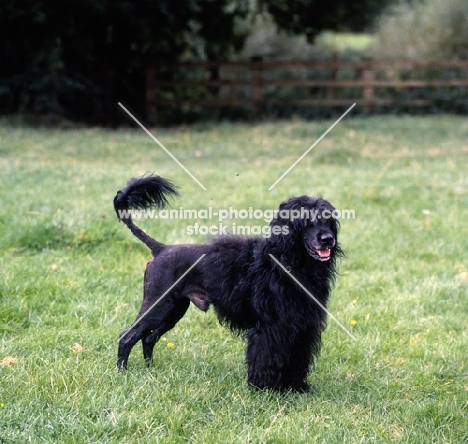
[(322, 249)]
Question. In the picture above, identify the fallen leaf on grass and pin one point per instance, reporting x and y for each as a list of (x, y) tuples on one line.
[(9, 360), (77, 348)]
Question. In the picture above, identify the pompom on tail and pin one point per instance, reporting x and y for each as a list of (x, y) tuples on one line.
[(144, 192)]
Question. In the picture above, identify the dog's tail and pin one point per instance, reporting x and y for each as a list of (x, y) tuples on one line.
[(142, 194)]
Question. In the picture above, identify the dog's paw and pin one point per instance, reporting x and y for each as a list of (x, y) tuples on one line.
[(121, 365), (302, 387)]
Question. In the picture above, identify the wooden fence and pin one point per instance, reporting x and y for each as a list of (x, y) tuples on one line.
[(259, 84)]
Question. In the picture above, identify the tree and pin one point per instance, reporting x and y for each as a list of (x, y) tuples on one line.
[(426, 29), (310, 17), (77, 58)]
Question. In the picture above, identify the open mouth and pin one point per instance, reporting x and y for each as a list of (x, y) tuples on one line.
[(323, 254)]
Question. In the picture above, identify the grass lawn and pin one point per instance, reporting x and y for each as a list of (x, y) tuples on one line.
[(71, 281), (342, 41)]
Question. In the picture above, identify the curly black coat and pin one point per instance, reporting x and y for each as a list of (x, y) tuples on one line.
[(249, 291)]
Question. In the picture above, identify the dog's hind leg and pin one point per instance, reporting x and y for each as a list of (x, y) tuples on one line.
[(173, 313), (128, 339), (148, 344)]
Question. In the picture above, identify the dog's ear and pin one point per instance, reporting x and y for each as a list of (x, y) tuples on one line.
[(280, 236), (330, 211), (284, 229)]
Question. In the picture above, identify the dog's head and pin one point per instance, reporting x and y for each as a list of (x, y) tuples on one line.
[(306, 225)]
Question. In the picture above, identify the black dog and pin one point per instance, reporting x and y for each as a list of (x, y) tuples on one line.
[(250, 292)]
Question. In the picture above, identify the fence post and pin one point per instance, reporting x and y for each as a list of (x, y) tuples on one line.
[(368, 89), (333, 76), (257, 85), (151, 99)]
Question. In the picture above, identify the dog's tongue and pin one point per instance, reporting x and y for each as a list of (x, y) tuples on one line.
[(324, 253)]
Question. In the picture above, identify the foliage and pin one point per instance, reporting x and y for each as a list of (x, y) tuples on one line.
[(309, 17), (80, 57), (71, 280), (266, 40), (426, 30)]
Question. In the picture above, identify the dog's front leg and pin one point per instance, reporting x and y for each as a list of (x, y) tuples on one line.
[(267, 356)]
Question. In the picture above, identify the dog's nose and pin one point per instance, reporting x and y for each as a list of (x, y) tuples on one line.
[(327, 239)]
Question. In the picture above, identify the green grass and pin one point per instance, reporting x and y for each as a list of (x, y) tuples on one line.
[(346, 41), (71, 274)]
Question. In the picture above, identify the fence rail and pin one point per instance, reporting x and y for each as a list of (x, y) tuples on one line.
[(257, 83)]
